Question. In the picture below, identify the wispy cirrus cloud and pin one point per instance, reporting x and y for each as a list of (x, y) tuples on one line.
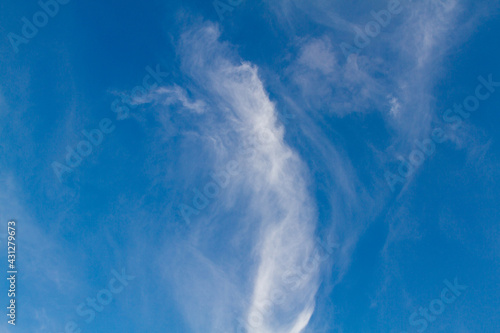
[(394, 75), (274, 231), (173, 95)]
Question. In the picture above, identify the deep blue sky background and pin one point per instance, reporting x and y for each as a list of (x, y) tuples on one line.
[(337, 126)]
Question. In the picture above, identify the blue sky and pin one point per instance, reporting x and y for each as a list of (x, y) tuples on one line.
[(277, 166)]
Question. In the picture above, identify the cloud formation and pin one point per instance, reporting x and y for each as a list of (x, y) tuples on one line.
[(277, 212)]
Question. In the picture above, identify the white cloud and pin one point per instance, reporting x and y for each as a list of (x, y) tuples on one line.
[(318, 54), (171, 96), (395, 106), (404, 61), (278, 216)]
